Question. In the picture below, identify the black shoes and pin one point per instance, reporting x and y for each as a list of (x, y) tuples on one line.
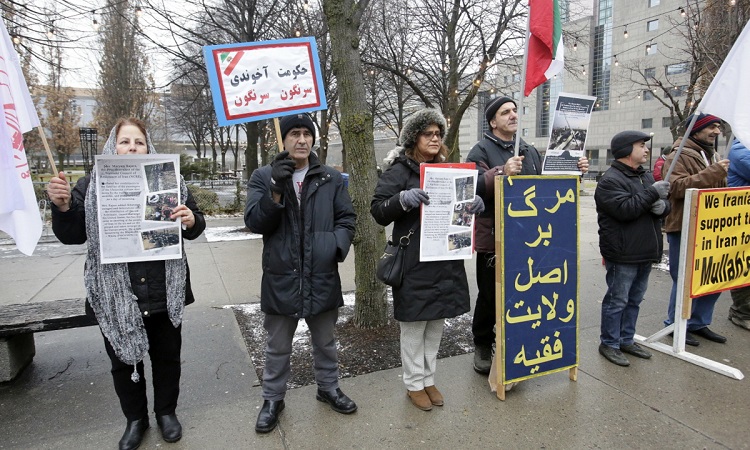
[(268, 417), (635, 350), (482, 359), (133, 435), (614, 355), (338, 400), (689, 339), (170, 427), (705, 332)]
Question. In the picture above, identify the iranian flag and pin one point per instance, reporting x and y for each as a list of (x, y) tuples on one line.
[(545, 47)]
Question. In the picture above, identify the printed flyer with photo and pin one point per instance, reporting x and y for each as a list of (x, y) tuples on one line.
[(447, 230), (135, 198), (567, 140)]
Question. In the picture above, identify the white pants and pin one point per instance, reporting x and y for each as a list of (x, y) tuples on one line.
[(420, 342)]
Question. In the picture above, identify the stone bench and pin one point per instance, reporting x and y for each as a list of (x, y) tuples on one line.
[(19, 322)]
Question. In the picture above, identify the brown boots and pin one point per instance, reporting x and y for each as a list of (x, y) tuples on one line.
[(426, 398)]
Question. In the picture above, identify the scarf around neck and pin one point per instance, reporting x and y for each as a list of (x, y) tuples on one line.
[(108, 287)]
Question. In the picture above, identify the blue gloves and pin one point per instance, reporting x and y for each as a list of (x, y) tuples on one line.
[(477, 206), (658, 207), (282, 170), (412, 198)]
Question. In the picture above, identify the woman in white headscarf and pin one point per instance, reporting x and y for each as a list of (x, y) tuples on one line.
[(138, 305)]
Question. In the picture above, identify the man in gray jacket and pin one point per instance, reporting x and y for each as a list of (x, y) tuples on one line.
[(306, 217)]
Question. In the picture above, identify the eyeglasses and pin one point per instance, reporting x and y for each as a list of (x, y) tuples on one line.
[(431, 134)]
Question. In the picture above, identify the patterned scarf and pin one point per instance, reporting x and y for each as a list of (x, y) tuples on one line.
[(108, 285)]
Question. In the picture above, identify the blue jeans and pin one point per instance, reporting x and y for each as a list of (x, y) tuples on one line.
[(702, 311), (626, 286)]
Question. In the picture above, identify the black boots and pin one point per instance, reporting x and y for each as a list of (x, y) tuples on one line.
[(133, 435), (171, 430), (269, 415)]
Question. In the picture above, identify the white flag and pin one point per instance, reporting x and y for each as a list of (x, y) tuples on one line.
[(19, 213), (728, 96)]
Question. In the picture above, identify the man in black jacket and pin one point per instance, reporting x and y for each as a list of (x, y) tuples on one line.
[(629, 206), (306, 217)]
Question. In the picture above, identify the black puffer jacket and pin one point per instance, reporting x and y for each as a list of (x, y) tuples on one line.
[(148, 278), (490, 155), (301, 246), (629, 233), (430, 290)]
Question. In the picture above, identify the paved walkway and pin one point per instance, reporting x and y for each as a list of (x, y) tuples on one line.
[(65, 400)]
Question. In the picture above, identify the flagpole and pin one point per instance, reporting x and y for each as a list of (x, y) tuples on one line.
[(49, 153), (725, 155), (682, 144), (523, 84)]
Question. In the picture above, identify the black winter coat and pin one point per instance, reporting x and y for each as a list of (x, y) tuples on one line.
[(629, 233), (148, 278), (489, 154), (430, 290), (301, 246)]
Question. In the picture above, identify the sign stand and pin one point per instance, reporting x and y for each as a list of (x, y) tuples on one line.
[(684, 302)]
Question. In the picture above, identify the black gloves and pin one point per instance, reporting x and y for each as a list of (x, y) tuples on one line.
[(281, 171)]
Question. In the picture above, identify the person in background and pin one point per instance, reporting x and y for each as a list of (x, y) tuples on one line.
[(660, 163), (494, 155), (694, 169), (138, 305), (307, 220), (431, 291), (738, 176), (629, 206)]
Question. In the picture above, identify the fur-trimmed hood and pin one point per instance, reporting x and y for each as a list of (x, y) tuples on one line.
[(418, 122)]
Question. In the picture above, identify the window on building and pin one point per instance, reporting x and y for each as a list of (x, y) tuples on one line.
[(651, 49), (650, 72), (652, 3), (542, 108), (652, 25), (667, 122), (525, 110), (647, 123), (648, 95), (516, 95), (677, 68), (678, 91), (525, 132), (516, 77)]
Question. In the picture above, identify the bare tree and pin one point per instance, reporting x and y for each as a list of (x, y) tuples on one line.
[(124, 83), (446, 57), (704, 36), (62, 113), (344, 19)]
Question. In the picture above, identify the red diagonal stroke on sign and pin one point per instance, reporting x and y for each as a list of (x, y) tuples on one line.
[(233, 63)]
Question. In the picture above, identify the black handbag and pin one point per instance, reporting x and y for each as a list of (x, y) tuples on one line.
[(391, 264)]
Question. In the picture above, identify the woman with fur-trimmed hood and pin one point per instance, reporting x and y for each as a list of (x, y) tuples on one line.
[(431, 291)]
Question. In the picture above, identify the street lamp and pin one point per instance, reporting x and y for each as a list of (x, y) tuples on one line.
[(651, 150)]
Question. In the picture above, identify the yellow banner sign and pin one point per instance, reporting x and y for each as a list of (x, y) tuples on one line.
[(722, 241)]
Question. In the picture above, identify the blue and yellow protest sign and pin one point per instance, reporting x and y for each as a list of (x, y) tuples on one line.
[(261, 80), (537, 243), (722, 241)]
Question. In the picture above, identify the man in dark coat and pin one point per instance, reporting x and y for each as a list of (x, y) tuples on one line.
[(494, 155), (629, 206), (307, 220)]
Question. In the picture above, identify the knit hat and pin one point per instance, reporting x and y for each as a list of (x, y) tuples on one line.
[(622, 142), (702, 122), (418, 122), (491, 109), (297, 121)]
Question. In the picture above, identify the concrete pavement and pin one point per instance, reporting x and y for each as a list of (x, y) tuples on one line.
[(65, 398)]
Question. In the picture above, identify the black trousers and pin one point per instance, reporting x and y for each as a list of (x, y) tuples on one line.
[(483, 323), (165, 342)]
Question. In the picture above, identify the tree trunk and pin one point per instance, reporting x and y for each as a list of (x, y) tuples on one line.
[(357, 137)]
